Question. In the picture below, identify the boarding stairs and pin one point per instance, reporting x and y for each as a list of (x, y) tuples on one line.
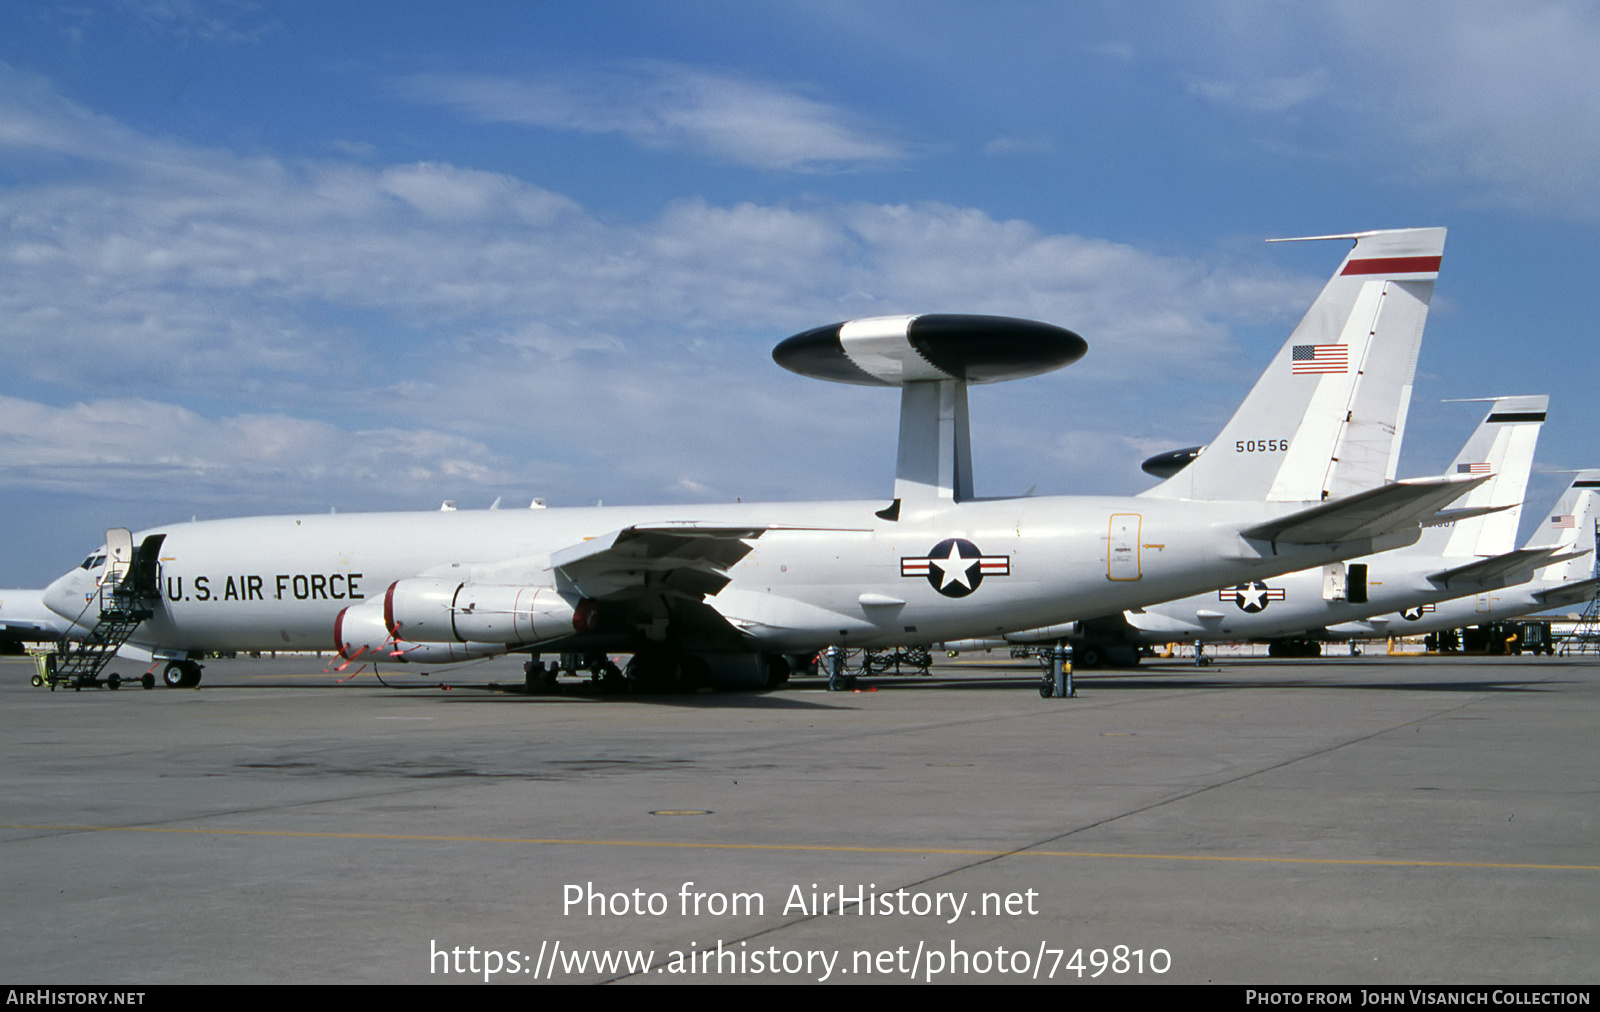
[(125, 597), (78, 665), (1585, 639)]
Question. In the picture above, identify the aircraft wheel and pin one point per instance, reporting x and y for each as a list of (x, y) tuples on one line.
[(653, 671), (181, 675), (611, 678), (778, 670), (1090, 656)]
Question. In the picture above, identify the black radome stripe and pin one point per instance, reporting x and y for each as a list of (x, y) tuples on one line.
[(817, 353), (990, 349)]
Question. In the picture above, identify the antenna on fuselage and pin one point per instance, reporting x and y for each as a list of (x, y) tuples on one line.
[(931, 358)]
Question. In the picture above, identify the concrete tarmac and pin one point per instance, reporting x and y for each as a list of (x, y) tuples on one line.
[(1344, 821)]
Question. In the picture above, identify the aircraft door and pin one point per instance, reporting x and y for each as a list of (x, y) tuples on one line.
[(1334, 582), (1356, 585), (119, 556), (146, 565), (1122, 547)]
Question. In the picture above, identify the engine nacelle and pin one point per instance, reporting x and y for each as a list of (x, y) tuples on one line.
[(434, 610), (360, 634)]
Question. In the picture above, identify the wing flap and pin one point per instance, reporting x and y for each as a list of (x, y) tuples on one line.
[(688, 560)]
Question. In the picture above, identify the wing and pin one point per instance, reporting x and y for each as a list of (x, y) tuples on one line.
[(681, 560)]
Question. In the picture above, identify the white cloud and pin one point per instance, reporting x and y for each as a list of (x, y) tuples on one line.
[(1503, 99), (210, 21), (725, 116), (137, 443), (276, 333), (1266, 94), (1036, 144)]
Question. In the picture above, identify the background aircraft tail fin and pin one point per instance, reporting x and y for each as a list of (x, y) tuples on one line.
[(1326, 418), (1502, 445), (1570, 525)]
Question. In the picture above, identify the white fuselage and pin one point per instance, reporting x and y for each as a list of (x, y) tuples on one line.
[(1294, 604), (1489, 606), (823, 573)]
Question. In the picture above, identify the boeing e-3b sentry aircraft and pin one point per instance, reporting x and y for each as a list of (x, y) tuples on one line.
[(717, 594)]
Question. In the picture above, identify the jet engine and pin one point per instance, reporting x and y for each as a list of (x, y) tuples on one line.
[(360, 634), (434, 610)]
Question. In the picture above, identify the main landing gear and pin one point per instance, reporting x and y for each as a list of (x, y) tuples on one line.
[(181, 674)]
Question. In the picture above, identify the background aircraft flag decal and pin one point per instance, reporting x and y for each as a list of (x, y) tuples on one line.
[(1565, 522)]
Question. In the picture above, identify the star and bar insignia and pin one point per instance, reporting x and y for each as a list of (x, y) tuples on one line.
[(955, 567), (1251, 597)]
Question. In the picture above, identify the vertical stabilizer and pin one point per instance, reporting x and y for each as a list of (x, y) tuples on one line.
[(1570, 525), (1327, 416), (1502, 445)]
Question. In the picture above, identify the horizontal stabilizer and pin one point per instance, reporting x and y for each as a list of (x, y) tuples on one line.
[(687, 559), (1388, 509), (1451, 516), (1495, 571), (1569, 593)]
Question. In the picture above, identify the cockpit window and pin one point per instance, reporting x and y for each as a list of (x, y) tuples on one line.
[(94, 561)]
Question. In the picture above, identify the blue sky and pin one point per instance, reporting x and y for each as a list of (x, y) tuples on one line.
[(261, 257)]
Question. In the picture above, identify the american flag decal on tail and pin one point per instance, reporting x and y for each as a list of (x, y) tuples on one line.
[(1565, 521), (1473, 469), (1314, 359)]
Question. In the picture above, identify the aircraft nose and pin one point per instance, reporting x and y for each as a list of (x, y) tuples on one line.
[(65, 594)]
